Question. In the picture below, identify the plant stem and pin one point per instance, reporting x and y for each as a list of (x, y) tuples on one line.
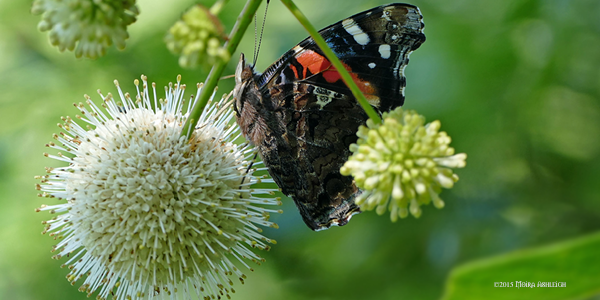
[(334, 61), (242, 23)]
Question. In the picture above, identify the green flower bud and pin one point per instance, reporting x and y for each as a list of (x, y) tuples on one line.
[(402, 164), (197, 38)]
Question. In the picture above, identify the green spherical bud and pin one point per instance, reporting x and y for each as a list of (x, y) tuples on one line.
[(402, 164), (197, 38)]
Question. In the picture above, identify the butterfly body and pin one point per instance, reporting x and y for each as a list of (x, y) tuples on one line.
[(303, 118)]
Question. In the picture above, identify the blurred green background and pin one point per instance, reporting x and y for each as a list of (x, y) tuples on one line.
[(516, 83)]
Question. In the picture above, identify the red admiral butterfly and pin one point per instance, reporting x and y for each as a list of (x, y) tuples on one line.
[(303, 118)]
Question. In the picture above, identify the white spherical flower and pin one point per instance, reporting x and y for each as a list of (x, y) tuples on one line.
[(87, 27), (147, 212), (402, 164)]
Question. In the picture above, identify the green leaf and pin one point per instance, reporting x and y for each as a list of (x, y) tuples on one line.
[(574, 262)]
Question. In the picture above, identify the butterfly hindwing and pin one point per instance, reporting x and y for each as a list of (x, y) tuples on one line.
[(321, 124), (303, 118)]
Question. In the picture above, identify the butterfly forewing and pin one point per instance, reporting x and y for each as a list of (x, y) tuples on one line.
[(374, 45)]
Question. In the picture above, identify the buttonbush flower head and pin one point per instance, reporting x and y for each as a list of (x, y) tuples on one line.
[(197, 38), (87, 27), (402, 164), (147, 212)]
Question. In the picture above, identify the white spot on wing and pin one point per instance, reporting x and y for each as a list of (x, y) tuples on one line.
[(324, 96), (297, 49), (323, 100), (386, 14), (384, 51), (352, 28), (372, 65)]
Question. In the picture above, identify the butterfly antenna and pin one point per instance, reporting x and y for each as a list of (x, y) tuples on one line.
[(262, 29), (248, 170), (255, 38)]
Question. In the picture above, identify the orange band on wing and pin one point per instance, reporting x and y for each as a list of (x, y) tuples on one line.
[(313, 61), (294, 70), (317, 63)]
